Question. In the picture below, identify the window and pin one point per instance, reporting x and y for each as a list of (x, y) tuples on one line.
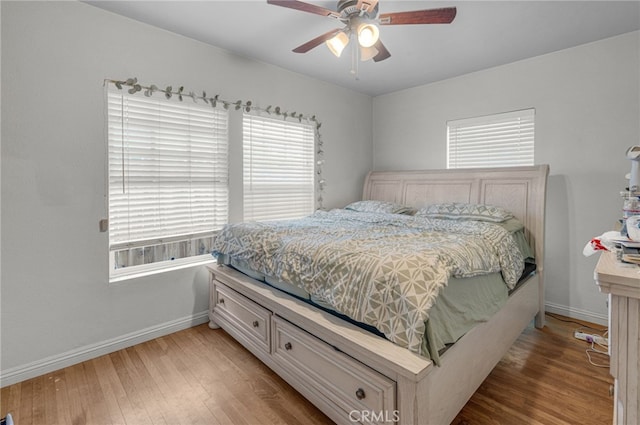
[(168, 182), (500, 140), (278, 168)]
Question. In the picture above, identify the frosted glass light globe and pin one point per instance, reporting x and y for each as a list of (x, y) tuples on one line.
[(368, 35)]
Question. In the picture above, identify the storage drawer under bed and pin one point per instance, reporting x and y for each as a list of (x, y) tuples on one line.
[(358, 390), (247, 318)]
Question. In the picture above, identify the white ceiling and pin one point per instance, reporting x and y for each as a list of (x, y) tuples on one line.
[(484, 34)]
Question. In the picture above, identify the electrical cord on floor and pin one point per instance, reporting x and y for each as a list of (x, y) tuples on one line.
[(555, 316), (594, 348)]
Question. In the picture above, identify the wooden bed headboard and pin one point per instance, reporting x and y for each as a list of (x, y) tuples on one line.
[(521, 190)]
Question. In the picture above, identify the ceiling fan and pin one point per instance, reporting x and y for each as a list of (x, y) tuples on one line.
[(360, 19)]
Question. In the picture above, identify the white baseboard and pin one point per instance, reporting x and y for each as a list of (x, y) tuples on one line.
[(60, 361), (575, 313), (88, 352)]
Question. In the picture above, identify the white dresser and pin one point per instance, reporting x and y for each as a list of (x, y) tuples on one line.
[(622, 283)]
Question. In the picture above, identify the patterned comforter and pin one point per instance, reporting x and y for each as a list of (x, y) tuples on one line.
[(381, 269)]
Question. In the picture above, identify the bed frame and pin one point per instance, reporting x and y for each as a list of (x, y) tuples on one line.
[(355, 376)]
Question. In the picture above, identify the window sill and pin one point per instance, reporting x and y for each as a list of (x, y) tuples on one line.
[(135, 272)]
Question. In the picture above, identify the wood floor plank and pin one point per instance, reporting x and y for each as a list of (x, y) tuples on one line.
[(145, 387), (133, 408), (10, 401), (188, 373), (98, 410), (173, 389), (38, 408), (289, 404), (49, 394), (5, 393), (171, 405), (236, 384), (26, 402), (62, 398), (81, 409), (110, 389), (203, 376)]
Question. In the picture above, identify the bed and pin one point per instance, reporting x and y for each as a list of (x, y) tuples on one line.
[(354, 375)]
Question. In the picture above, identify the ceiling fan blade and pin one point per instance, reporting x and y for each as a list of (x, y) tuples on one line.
[(429, 16), (305, 7), (304, 48), (367, 5), (383, 53)]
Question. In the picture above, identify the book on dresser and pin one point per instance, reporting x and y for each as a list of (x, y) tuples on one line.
[(630, 252)]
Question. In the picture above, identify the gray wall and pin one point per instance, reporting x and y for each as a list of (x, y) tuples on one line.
[(587, 115), (56, 300)]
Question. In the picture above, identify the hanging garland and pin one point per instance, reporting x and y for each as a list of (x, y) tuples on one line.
[(214, 101), (247, 106)]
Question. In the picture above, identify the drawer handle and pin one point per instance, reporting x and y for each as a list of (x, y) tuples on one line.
[(360, 394), (221, 301), (288, 346), (255, 324)]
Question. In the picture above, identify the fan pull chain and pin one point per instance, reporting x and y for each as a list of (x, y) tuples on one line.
[(354, 57)]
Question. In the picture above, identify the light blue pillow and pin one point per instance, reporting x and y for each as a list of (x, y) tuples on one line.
[(379, 207), (462, 211)]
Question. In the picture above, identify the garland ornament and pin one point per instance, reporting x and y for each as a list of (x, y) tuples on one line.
[(214, 101), (169, 92)]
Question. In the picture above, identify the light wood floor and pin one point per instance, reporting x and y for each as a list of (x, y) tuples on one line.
[(202, 376)]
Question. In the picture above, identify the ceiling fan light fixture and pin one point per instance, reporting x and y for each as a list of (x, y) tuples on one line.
[(368, 34), (337, 43)]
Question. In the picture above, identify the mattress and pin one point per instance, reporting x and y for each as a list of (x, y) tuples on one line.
[(461, 302), (461, 305)]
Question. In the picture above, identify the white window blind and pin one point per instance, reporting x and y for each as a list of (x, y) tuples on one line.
[(278, 168), (499, 140), (168, 177)]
